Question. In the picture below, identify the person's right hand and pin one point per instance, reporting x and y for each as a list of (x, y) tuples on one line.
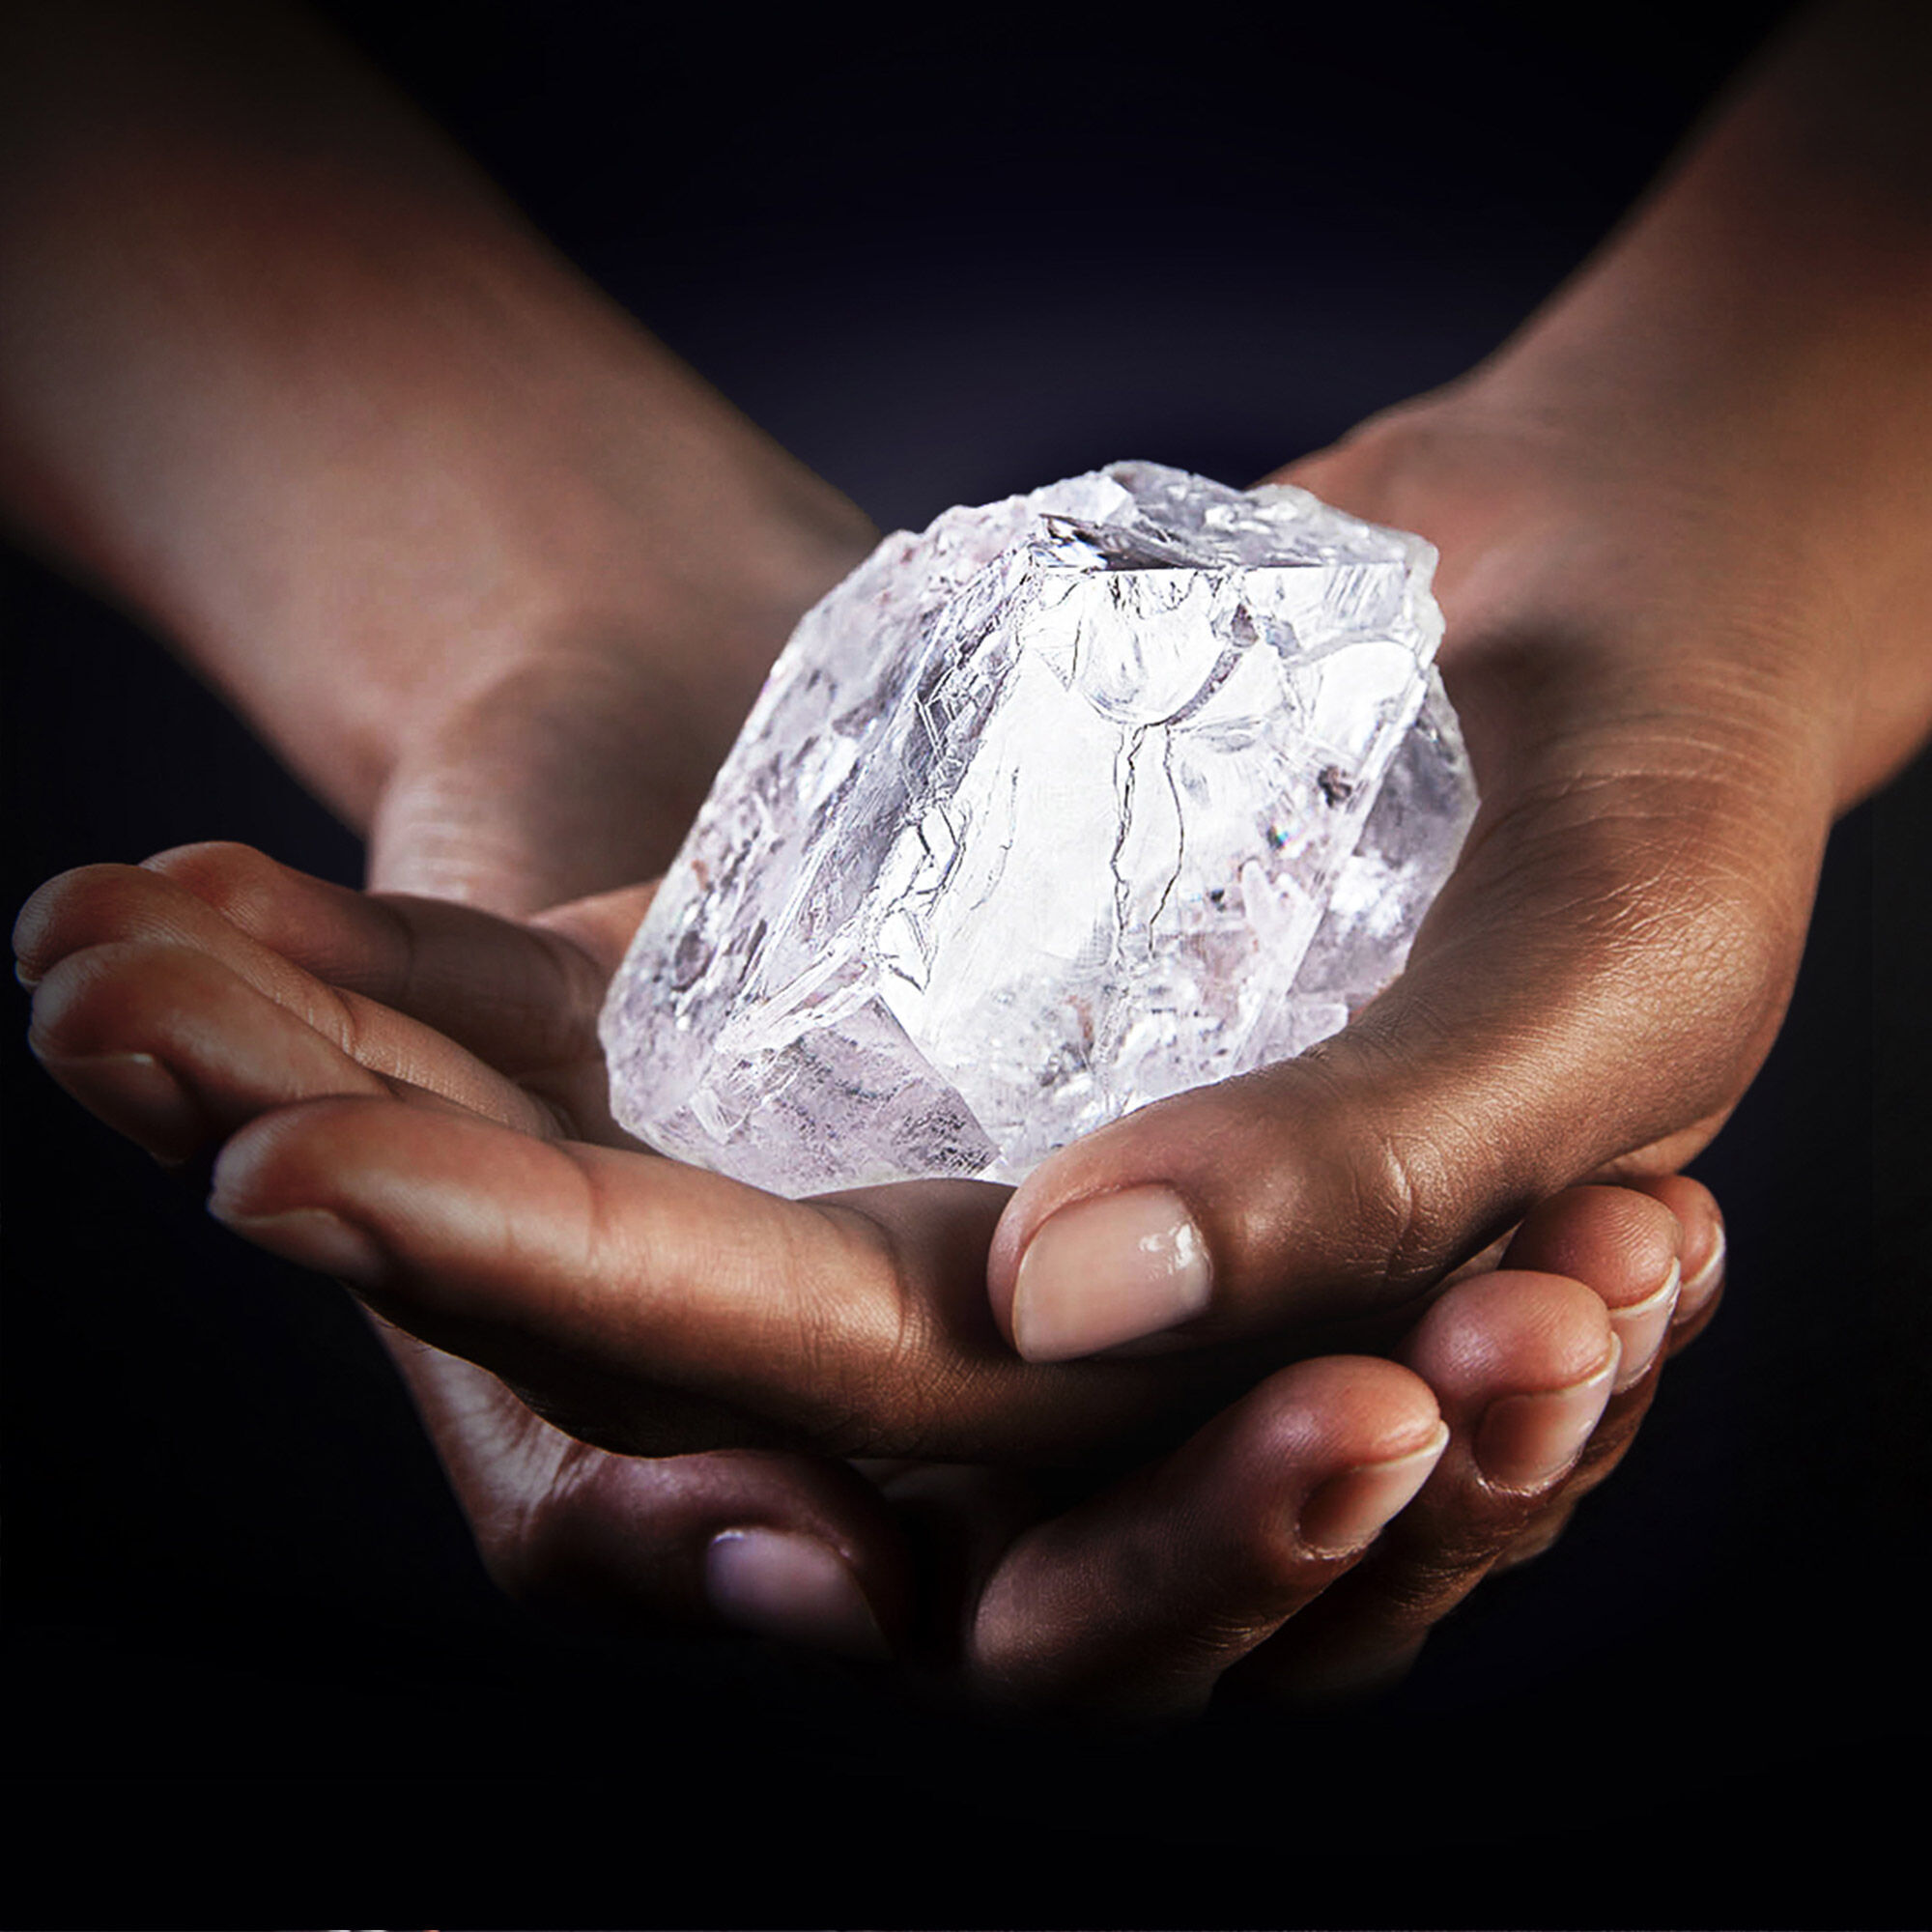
[(650, 1307)]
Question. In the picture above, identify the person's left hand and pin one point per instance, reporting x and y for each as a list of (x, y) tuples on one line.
[(357, 1056)]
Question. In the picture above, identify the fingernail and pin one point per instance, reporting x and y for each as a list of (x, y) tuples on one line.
[(1348, 1510), (795, 1588), (1642, 1327), (1527, 1442), (134, 1094), (1702, 1285), (1108, 1271), (313, 1238)]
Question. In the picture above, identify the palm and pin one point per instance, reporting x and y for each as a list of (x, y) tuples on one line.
[(459, 1038)]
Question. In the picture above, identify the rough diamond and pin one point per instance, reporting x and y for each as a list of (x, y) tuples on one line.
[(1069, 802)]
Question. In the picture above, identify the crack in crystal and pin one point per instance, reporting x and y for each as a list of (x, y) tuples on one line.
[(887, 952), (1180, 842)]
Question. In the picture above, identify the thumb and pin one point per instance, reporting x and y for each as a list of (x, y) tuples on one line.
[(1591, 993)]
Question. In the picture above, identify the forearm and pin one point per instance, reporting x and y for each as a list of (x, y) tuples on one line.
[(280, 370), (1754, 350)]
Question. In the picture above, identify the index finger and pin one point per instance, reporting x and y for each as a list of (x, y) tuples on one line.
[(523, 997), (614, 1290)]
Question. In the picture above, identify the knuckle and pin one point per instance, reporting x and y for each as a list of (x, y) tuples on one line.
[(839, 1420), (1415, 1592), (1403, 1177), (222, 873), (527, 1537), (351, 1025), (1538, 1538), (870, 1388), (886, 1381), (1399, 1177), (1452, 1546)]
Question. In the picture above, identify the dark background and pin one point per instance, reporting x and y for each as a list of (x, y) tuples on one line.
[(943, 258)]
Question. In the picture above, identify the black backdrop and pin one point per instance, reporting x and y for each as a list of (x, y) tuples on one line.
[(944, 257)]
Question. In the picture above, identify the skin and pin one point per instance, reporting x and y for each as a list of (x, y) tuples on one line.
[(1679, 521), (212, 1004), (1682, 521)]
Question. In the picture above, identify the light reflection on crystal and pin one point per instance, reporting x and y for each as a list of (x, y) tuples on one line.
[(1066, 804)]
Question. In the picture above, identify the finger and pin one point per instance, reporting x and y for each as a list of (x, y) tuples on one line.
[(1136, 1602), (642, 1303), (1623, 1244), (524, 999), (1702, 1250), (1522, 1366), (785, 1546), (522, 996), (1618, 1242), (602, 925), (1626, 1245), (176, 1050), (1595, 986)]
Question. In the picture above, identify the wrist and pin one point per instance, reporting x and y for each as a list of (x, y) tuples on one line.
[(1751, 353), (677, 571), (288, 378), (559, 743)]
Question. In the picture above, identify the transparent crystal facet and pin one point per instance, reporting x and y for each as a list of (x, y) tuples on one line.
[(1066, 804)]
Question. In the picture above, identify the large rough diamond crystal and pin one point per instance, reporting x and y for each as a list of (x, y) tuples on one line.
[(1069, 802)]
